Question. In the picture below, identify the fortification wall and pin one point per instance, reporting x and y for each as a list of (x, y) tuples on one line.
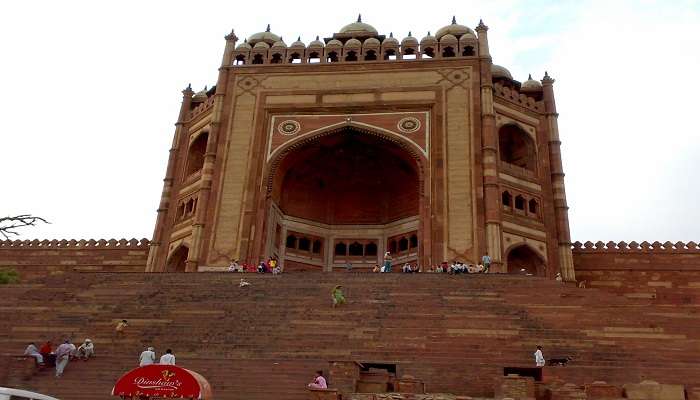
[(36, 258), (667, 273)]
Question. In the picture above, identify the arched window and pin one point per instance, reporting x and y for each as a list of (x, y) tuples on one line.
[(522, 260), (240, 60), (413, 241), (180, 211), (295, 58), (258, 59), (390, 54), (519, 202), (428, 52), (409, 54), (516, 147), (507, 199), (351, 56), (468, 51), (276, 59), (332, 57), (371, 249), (533, 207), (448, 52), (340, 249), (316, 249), (371, 55), (403, 244), (304, 244), (355, 249), (291, 242), (190, 206), (195, 154), (314, 58), (392, 246)]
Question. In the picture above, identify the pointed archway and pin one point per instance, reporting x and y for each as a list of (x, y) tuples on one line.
[(523, 260), (344, 189), (177, 262)]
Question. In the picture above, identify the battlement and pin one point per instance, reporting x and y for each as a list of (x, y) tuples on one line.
[(514, 96), (72, 243), (619, 247)]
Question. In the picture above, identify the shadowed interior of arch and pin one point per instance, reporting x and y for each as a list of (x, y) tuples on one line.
[(524, 260), (348, 177)]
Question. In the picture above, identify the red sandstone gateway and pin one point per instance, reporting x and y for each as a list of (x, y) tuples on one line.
[(162, 381)]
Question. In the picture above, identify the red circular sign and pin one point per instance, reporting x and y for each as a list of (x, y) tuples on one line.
[(161, 381)]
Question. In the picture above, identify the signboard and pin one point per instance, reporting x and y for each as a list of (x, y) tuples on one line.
[(163, 381)]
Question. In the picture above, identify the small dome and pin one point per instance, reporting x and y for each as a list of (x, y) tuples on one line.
[(409, 40), (298, 44), (391, 39), (261, 45), (358, 27), (334, 42), (371, 42), (267, 37), (244, 46), (467, 36), (316, 43), (353, 43), (428, 39), (280, 44), (499, 72), (531, 85), (453, 29), (448, 38)]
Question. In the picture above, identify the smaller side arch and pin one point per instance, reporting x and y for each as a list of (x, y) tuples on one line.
[(524, 259)]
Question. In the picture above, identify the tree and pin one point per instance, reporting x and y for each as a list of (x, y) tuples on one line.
[(8, 225)]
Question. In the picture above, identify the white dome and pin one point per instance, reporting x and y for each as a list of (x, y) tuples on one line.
[(353, 43), (500, 72)]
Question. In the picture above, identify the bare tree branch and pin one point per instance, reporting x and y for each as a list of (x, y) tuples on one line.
[(8, 225)]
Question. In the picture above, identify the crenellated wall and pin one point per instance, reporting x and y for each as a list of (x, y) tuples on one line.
[(36, 258), (667, 273)]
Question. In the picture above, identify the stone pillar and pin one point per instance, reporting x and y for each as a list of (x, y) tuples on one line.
[(489, 154), (193, 259), (561, 209), (153, 263)]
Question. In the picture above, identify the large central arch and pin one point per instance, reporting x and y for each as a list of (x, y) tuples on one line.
[(345, 196)]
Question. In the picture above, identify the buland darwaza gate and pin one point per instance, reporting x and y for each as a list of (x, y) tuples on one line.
[(357, 144)]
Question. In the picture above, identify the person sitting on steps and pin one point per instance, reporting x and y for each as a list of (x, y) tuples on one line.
[(86, 350), (337, 295), (319, 381)]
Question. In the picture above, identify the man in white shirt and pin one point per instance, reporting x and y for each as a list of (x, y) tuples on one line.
[(168, 358), (539, 357), (147, 357)]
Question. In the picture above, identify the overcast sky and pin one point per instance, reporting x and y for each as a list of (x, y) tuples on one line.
[(91, 90)]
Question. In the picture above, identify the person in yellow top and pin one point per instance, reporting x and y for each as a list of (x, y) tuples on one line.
[(337, 295), (121, 327)]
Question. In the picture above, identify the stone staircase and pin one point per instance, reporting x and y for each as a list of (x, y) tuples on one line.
[(264, 342)]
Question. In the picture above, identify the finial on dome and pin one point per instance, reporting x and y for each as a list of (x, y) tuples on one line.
[(316, 37), (454, 20), (482, 26), (281, 40), (391, 34), (189, 86), (409, 33), (547, 78), (299, 39), (359, 17), (428, 33), (529, 77), (268, 28), (205, 88)]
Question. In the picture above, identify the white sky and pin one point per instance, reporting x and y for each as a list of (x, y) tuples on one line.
[(91, 91)]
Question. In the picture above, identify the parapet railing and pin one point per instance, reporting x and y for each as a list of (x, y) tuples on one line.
[(516, 97), (599, 247), (82, 243)]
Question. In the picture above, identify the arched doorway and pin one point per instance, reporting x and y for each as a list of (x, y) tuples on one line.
[(177, 262), (345, 192), (523, 260)]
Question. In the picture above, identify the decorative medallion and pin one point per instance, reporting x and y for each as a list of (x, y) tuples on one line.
[(288, 127), (408, 124)]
